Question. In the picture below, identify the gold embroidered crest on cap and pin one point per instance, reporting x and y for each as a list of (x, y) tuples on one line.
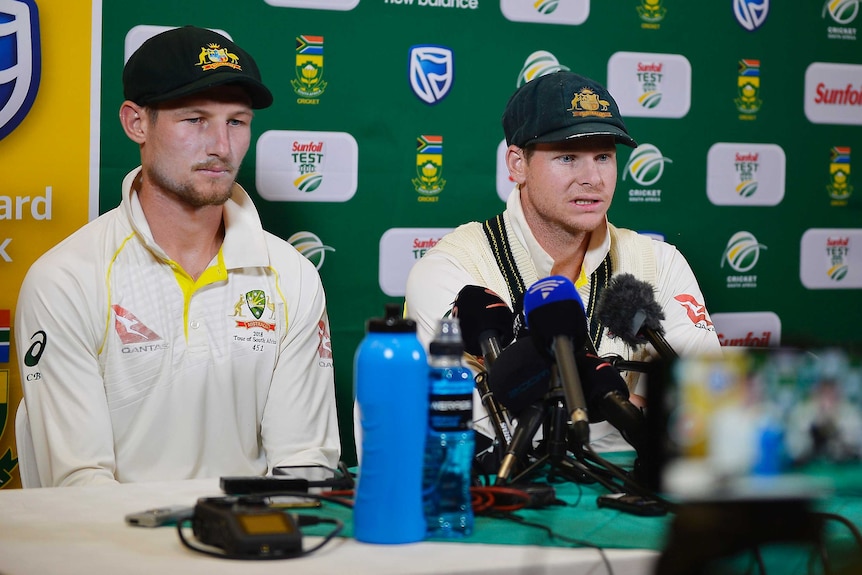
[(587, 103), (214, 56)]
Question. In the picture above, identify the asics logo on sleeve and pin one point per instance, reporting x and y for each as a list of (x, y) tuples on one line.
[(34, 352)]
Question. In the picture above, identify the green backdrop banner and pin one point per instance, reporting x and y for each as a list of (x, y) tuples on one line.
[(385, 133)]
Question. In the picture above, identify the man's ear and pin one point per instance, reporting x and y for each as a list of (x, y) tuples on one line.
[(134, 121), (516, 162)]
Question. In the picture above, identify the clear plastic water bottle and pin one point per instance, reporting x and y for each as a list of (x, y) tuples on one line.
[(450, 443), (391, 378)]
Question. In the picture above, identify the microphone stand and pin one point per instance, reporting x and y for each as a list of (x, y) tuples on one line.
[(554, 446)]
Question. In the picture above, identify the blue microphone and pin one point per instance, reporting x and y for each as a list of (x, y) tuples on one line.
[(558, 323)]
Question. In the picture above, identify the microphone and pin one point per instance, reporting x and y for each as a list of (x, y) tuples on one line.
[(628, 308), (528, 424), (519, 380), (520, 377), (607, 397), (486, 325), (556, 319), (486, 322)]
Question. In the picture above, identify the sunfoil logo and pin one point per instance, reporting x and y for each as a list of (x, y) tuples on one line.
[(310, 245), (571, 12), (828, 260), (742, 252), (646, 165), (305, 166)]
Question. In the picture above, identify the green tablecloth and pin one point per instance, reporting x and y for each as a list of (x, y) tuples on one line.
[(580, 522)]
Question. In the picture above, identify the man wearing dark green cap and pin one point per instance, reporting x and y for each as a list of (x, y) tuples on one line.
[(172, 337), (562, 131)]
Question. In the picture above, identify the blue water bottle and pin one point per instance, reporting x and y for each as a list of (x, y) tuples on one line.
[(450, 446), (391, 378)]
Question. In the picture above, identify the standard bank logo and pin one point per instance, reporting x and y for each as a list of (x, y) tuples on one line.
[(20, 62), (431, 70), (546, 11), (740, 174), (751, 14), (650, 85), (831, 259), (299, 166)]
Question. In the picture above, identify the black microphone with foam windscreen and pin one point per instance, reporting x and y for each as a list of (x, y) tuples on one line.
[(557, 322), (520, 377), (519, 380), (486, 322), (486, 327), (628, 308), (607, 397)]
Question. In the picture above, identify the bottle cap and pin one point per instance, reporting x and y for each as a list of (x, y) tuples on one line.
[(393, 322), (447, 339)]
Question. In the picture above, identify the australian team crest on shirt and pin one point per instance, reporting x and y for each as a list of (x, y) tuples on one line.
[(20, 62), (256, 302)]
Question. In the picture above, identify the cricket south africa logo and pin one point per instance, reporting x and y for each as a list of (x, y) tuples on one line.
[(309, 83), (429, 180), (256, 302), (748, 100), (310, 246), (20, 62), (538, 64), (839, 187), (843, 13), (742, 254), (431, 70), (645, 167)]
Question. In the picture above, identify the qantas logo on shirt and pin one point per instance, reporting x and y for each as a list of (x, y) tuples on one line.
[(696, 311), (324, 348), (130, 329)]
